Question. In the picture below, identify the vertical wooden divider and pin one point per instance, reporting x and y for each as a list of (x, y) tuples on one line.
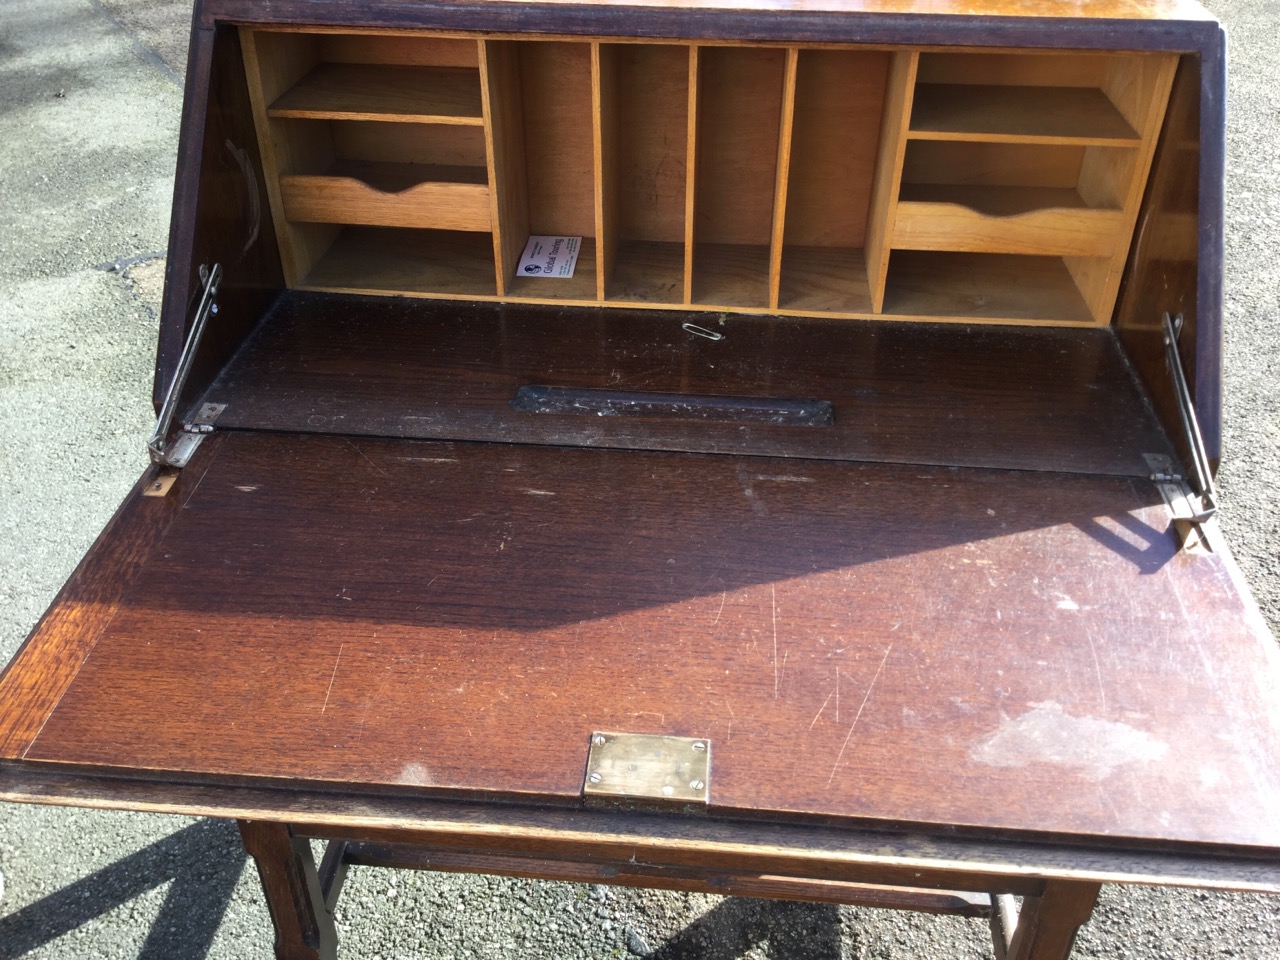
[(785, 125), (504, 150), (888, 176), (691, 175), (604, 122), (1139, 87), (274, 62)]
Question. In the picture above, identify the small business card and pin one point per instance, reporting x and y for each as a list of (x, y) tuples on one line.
[(550, 257)]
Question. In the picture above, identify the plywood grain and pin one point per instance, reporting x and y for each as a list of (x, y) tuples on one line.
[(555, 92), (739, 111), (839, 100)]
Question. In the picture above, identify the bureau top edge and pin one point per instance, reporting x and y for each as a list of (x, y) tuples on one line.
[(1169, 25)]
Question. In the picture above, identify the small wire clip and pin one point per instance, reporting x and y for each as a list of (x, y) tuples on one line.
[(698, 331)]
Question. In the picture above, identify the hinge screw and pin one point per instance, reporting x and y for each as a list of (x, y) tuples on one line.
[(595, 778), (697, 785), (699, 745), (598, 739)]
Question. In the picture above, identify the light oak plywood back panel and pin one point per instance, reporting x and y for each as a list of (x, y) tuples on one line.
[(407, 51), (834, 146), (435, 144), (653, 129), (992, 164), (1016, 69), (740, 109), (647, 87), (555, 91)]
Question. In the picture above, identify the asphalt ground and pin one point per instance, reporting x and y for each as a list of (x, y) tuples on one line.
[(89, 106)]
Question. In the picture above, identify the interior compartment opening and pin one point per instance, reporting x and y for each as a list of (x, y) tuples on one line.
[(834, 146), (643, 113), (739, 111)]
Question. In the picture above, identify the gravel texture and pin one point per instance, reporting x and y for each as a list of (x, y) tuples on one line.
[(89, 107)]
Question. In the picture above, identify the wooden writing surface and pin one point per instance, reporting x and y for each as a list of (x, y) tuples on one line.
[(984, 649)]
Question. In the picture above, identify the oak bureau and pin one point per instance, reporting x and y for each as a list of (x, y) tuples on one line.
[(750, 447)]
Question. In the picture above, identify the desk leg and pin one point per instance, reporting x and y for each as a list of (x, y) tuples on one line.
[(304, 926), (1047, 924)]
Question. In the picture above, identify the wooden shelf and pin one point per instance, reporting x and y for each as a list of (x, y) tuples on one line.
[(647, 271), (415, 263), (580, 287), (358, 91), (731, 275), (824, 280), (983, 287), (1067, 115), (391, 195)]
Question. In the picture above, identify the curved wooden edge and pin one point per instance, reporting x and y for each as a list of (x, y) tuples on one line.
[(857, 855), (341, 199), (1054, 231)]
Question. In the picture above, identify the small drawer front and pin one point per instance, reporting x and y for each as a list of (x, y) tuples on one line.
[(1062, 232), (437, 206)]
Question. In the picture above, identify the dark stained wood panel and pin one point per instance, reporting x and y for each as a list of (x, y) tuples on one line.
[(987, 649), (37, 677), (915, 393)]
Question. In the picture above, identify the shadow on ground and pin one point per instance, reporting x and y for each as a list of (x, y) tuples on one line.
[(202, 863)]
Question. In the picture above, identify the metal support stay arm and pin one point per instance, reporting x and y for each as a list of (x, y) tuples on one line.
[(177, 454), (1201, 472)]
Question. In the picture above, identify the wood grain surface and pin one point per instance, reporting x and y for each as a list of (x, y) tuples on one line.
[(982, 396), (869, 643)]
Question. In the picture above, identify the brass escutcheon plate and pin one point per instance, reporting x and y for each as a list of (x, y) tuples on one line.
[(648, 768)]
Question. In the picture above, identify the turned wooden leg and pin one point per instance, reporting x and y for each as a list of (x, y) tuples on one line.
[(304, 926), (1047, 924)]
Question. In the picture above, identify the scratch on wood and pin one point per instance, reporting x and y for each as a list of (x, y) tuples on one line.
[(773, 593), (820, 709), (858, 716), (365, 458), (723, 595), (332, 677), (837, 694), (1097, 669)]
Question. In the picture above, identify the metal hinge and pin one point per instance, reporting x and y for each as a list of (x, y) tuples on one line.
[(178, 451), (1196, 497)]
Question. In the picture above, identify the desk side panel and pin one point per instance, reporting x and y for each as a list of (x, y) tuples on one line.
[(220, 215)]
